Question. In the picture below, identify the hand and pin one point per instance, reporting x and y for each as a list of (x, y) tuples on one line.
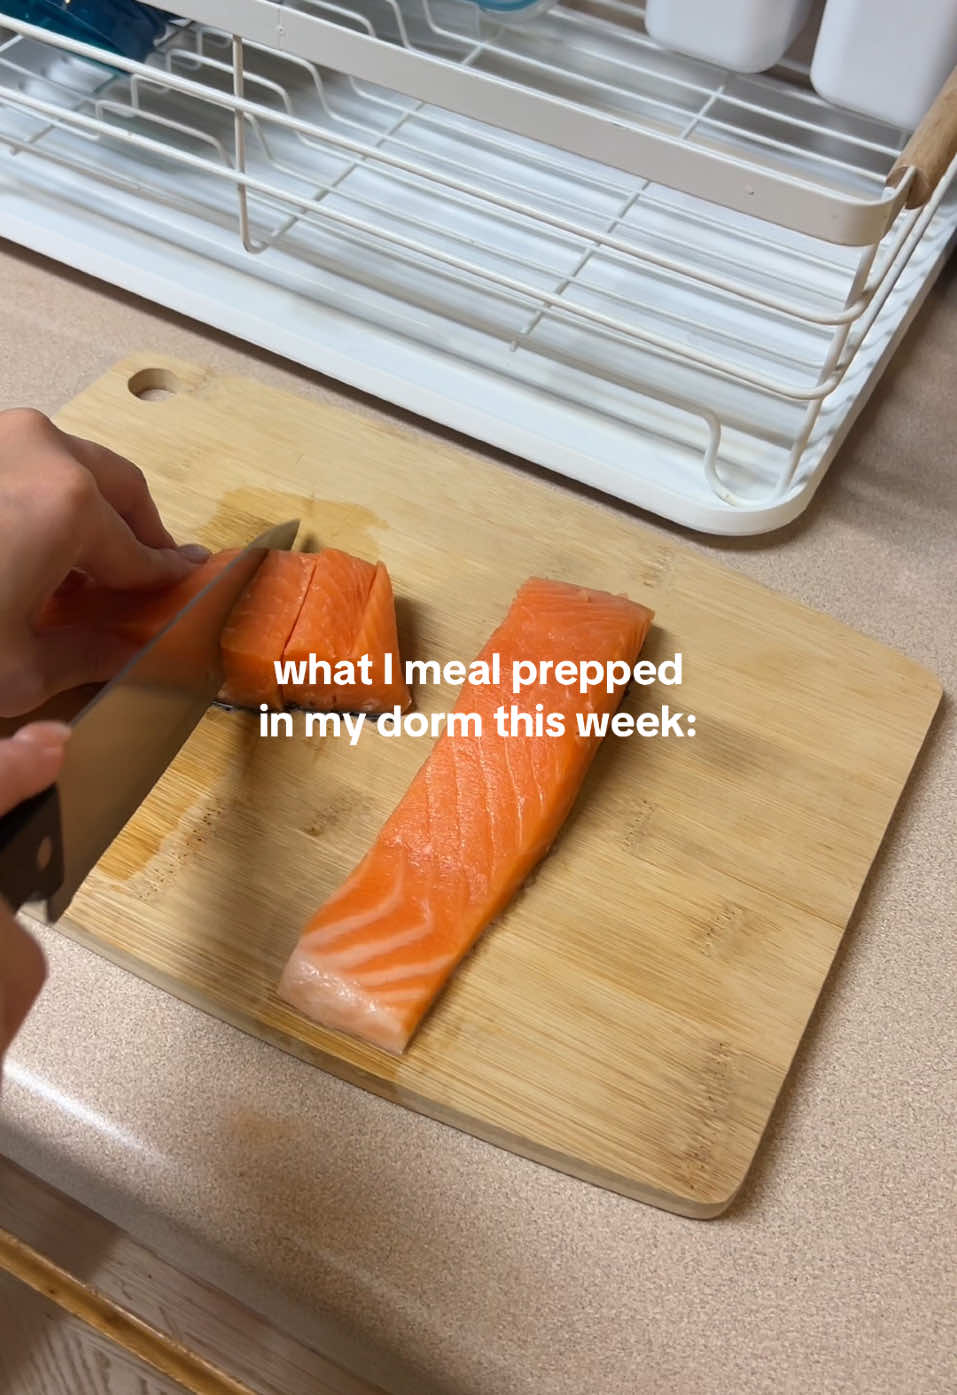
[(69, 507), (29, 762)]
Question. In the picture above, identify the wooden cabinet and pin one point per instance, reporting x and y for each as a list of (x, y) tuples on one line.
[(46, 1351), (86, 1310)]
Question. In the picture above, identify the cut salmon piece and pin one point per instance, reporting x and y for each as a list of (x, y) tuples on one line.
[(479, 815), (259, 626), (349, 612), (331, 604), (133, 615)]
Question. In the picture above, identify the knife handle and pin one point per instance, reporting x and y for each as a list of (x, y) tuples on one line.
[(31, 849)]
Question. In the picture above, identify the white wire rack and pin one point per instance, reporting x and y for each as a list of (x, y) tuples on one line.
[(647, 336)]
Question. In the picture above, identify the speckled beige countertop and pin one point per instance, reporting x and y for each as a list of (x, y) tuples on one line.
[(438, 1262)]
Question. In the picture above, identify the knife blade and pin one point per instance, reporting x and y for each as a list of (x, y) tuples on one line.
[(123, 740)]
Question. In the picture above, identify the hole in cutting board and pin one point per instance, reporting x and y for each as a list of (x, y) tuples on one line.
[(154, 384)]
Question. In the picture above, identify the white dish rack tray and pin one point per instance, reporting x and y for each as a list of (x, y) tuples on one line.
[(673, 283)]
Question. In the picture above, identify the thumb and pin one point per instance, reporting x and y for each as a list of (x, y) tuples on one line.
[(30, 761)]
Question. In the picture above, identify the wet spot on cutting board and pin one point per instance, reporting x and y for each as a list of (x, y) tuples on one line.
[(243, 513)]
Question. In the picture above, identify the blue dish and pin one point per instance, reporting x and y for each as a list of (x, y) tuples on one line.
[(120, 26), (510, 6)]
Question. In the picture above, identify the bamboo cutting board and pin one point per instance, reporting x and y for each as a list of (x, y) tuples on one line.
[(632, 1016)]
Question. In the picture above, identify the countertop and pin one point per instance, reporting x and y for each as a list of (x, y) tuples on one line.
[(433, 1261)]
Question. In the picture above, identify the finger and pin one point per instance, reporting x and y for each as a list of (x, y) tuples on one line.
[(30, 761), (124, 486), (56, 660), (22, 971), (195, 552), (110, 553), (72, 656)]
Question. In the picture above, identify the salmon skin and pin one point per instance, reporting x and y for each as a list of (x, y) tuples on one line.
[(479, 815), (330, 603)]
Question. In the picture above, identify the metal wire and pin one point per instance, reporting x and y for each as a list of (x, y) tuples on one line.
[(486, 196), (631, 55), (374, 169)]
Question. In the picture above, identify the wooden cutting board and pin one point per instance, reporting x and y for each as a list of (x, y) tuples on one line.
[(632, 1016)]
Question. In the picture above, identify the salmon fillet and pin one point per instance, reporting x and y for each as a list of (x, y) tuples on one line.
[(133, 615), (331, 604), (259, 626), (349, 612), (479, 815)]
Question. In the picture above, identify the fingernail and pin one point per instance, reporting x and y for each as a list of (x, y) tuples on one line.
[(177, 565), (195, 552), (50, 734)]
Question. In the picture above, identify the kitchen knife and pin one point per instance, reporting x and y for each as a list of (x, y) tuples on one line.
[(122, 741)]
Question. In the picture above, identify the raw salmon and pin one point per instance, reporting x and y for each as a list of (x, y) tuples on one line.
[(479, 815), (134, 615), (349, 612), (260, 625), (331, 604)]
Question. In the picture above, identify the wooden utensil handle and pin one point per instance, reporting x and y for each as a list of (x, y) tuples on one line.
[(931, 148)]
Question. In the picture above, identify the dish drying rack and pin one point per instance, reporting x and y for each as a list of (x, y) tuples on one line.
[(676, 284)]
